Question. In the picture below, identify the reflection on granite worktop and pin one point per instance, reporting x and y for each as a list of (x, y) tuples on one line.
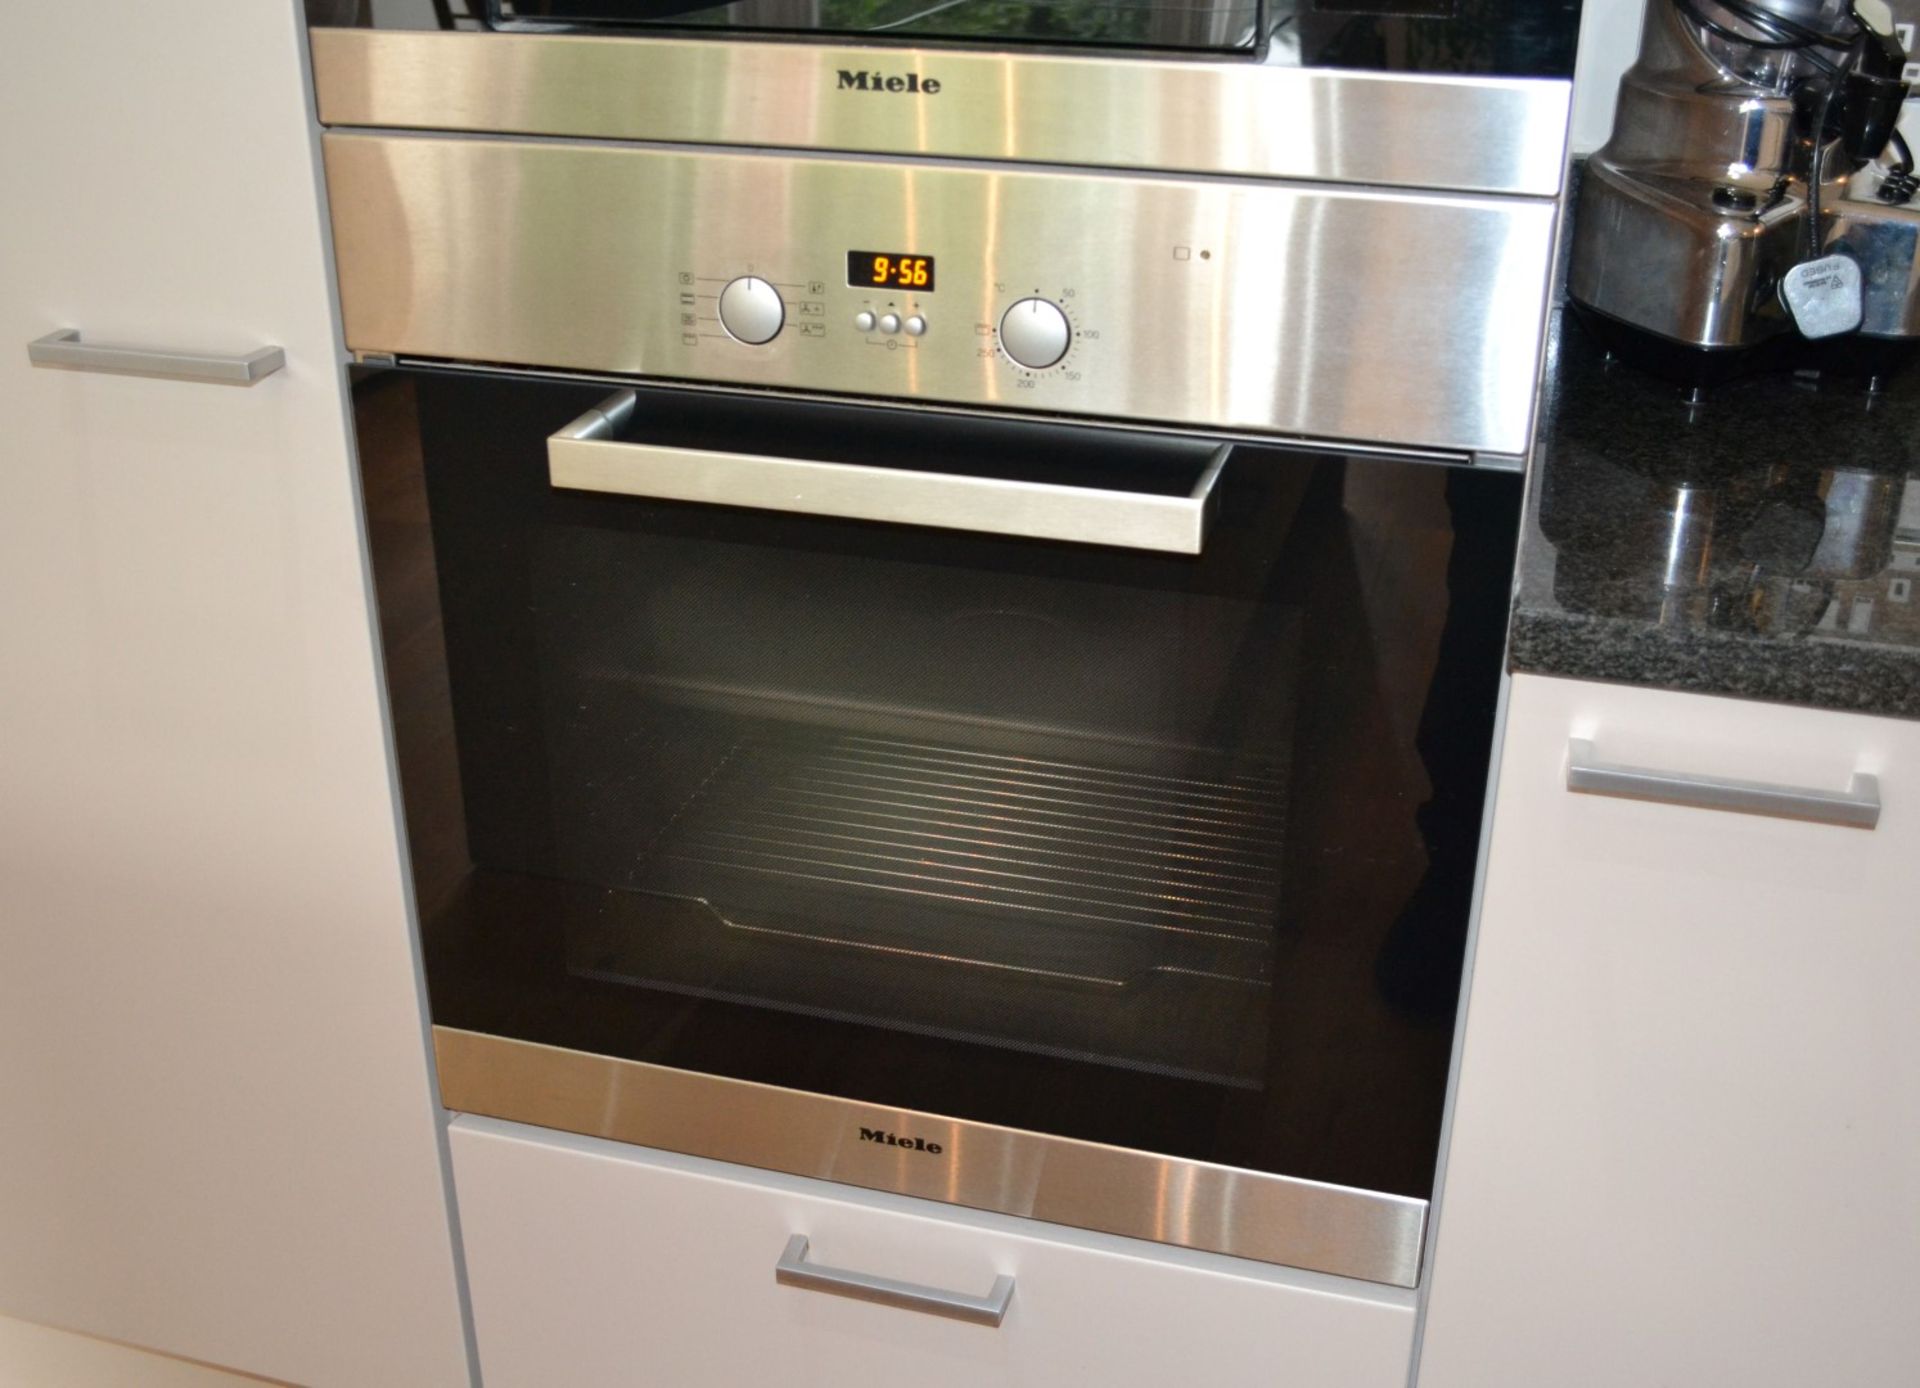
[(1762, 542)]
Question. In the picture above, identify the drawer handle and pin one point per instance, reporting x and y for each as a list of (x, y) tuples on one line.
[(1856, 807), (587, 456), (65, 349), (793, 1270)]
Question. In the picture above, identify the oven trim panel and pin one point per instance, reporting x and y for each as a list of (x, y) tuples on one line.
[(1262, 120), (1338, 1230), (1316, 311)]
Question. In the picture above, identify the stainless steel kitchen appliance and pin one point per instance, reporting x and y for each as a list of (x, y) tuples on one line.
[(943, 598), (1755, 204)]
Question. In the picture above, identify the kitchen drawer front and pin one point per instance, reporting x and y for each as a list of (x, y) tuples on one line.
[(1685, 1146), (593, 1263)]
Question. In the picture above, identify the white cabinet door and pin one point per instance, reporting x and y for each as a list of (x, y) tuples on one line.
[(1686, 1141), (217, 1131), (601, 1266)]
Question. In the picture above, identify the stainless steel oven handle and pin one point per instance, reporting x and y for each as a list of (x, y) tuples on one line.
[(1856, 807), (65, 349), (793, 1270), (586, 456)]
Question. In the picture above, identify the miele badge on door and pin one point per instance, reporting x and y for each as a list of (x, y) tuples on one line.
[(912, 83), (916, 1144)]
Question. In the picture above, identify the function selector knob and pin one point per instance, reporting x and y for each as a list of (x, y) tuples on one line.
[(751, 310), (1035, 333)]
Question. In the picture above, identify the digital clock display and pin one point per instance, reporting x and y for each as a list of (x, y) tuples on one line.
[(890, 270)]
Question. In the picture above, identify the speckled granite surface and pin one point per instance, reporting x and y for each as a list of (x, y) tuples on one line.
[(1763, 543)]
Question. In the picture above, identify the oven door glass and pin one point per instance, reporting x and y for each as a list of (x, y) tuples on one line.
[(1508, 38), (1114, 786)]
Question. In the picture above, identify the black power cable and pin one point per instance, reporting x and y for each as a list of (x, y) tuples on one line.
[(1816, 176), (1900, 186), (1903, 163)]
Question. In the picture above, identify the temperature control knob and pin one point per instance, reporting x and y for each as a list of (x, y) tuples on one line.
[(751, 310), (1035, 333)]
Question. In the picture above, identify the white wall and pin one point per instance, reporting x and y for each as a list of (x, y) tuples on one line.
[(1609, 38), (1908, 12)]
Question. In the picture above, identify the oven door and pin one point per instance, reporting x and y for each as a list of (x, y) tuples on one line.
[(793, 782)]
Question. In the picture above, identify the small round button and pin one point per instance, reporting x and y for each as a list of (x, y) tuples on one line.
[(1035, 333), (915, 326), (751, 310), (889, 322), (863, 321)]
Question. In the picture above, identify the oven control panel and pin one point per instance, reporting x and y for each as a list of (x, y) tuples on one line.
[(1034, 333), (1303, 310)]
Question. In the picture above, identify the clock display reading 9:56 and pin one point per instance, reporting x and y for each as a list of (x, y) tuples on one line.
[(890, 270)]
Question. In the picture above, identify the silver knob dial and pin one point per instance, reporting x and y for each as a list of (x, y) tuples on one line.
[(751, 310), (1035, 333)]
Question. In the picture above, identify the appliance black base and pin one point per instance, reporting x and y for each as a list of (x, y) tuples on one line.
[(1871, 360)]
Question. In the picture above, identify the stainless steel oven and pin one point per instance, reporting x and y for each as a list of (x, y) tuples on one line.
[(943, 590)]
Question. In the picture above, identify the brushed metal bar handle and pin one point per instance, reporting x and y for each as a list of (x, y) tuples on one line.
[(793, 1270), (66, 351), (1856, 807), (586, 456)]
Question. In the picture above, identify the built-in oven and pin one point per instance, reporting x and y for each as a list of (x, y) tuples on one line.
[(943, 605)]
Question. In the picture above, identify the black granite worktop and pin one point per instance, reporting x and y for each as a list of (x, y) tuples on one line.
[(1763, 542)]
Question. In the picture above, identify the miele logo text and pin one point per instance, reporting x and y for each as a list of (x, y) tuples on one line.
[(913, 82), (914, 1144)]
